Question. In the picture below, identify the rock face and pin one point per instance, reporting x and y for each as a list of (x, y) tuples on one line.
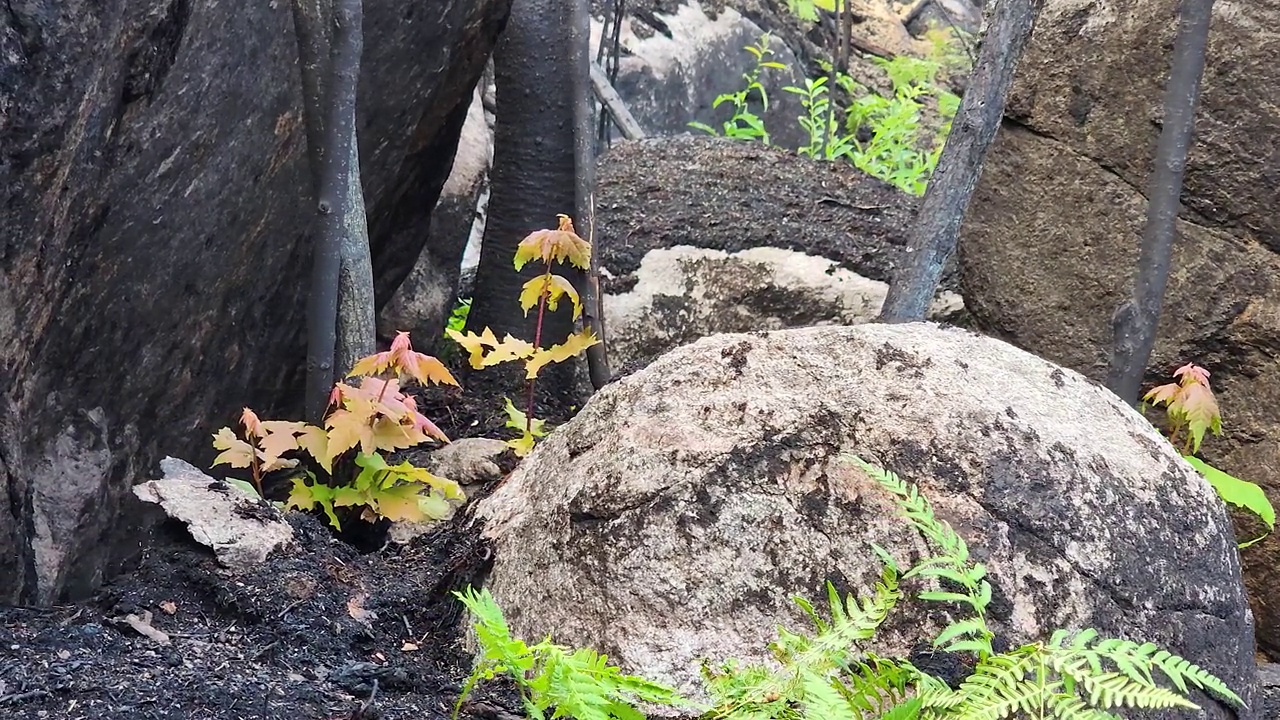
[(423, 302), (673, 518), (235, 525), (1051, 240), (677, 63), (155, 234), (685, 293)]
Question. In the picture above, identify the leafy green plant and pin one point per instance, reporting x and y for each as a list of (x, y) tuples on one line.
[(825, 140), (895, 149), (1192, 410), (458, 317), (807, 10), (745, 124), (825, 676), (577, 683), (550, 247), (361, 422)]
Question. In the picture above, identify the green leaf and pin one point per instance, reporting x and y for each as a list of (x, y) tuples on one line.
[(1240, 493), (244, 486)]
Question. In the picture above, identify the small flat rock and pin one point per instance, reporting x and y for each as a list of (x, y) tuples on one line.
[(235, 526)]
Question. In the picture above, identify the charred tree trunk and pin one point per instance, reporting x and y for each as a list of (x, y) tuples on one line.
[(584, 161), (937, 224), (1136, 320), (533, 179), (342, 281)]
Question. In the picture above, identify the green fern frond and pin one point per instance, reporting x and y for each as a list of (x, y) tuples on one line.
[(580, 684), (951, 563)]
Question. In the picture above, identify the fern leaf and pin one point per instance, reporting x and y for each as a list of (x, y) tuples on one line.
[(1115, 689)]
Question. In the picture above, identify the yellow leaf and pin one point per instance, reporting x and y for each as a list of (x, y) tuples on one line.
[(412, 473), (345, 432), (511, 348), (554, 246), (316, 441), (387, 434), (348, 496), (572, 346), (555, 287), (400, 502), (235, 452), (301, 496), (522, 446), (531, 292), (474, 344)]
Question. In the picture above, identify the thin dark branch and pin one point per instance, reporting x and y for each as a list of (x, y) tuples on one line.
[(615, 107), (354, 338), (1136, 320), (311, 27), (936, 228), (332, 206), (584, 182)]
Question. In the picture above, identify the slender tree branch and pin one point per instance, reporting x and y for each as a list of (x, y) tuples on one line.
[(333, 204), (1137, 319), (937, 223), (584, 183), (355, 319)]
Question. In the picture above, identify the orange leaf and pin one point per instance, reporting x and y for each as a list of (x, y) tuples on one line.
[(316, 441), (554, 246), (252, 426)]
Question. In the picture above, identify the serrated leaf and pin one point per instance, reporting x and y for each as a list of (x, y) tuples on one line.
[(474, 344), (573, 345), (553, 287), (554, 246), (235, 452), (522, 445)]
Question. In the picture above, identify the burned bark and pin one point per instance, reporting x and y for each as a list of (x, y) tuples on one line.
[(937, 225), (1135, 321), (151, 236)]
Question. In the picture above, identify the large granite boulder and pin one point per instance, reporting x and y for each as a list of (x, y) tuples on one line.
[(676, 515)]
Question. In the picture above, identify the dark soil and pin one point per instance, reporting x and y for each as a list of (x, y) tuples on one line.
[(318, 632), (731, 195)]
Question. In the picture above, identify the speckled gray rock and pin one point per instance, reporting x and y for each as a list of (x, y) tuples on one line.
[(685, 293), (674, 517), (240, 531)]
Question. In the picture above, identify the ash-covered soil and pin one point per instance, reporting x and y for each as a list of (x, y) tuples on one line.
[(317, 632), (731, 195)]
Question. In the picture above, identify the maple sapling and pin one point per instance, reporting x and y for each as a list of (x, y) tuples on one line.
[(361, 421), (545, 292), (1192, 411)]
